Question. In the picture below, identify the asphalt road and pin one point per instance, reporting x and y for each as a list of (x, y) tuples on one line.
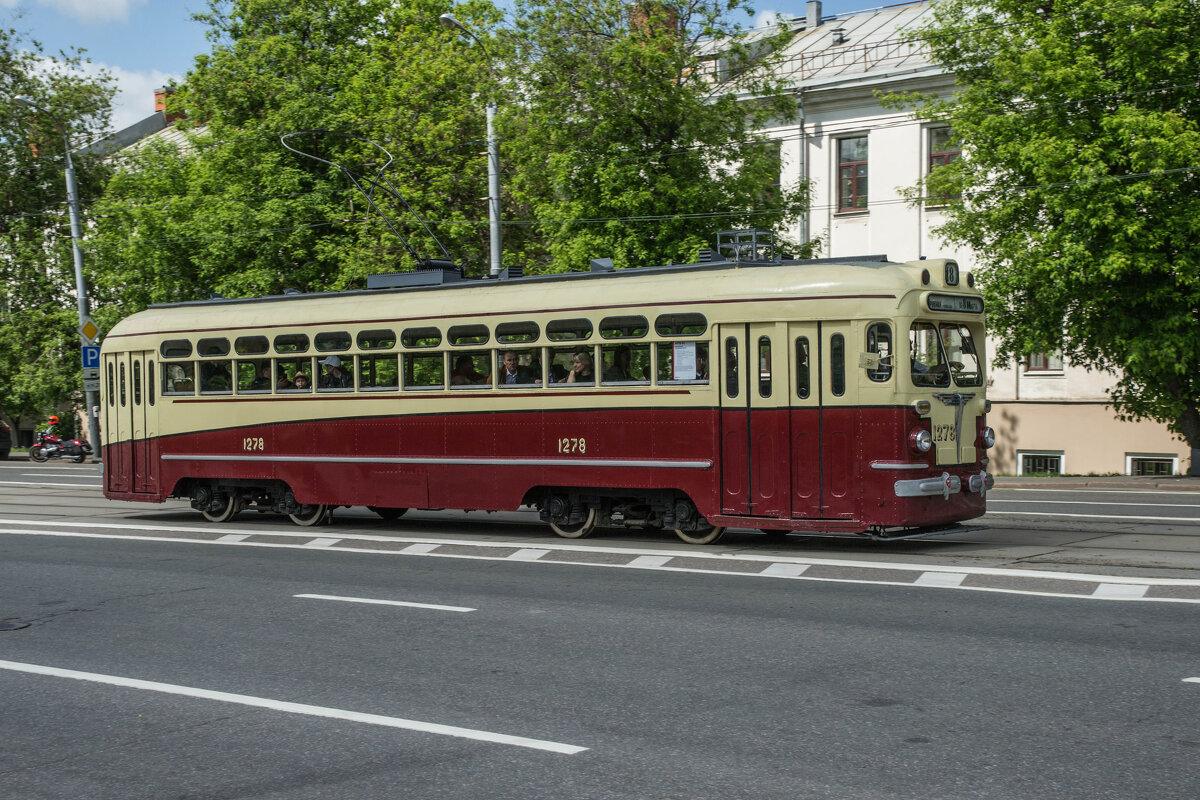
[(477, 658)]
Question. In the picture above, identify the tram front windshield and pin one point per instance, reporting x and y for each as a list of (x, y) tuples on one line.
[(941, 353)]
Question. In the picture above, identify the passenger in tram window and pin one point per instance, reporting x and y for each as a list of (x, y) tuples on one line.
[(512, 372), (701, 363), (581, 370), (216, 376), (620, 369), (333, 376), (465, 374), (300, 381), (263, 379), (281, 379)]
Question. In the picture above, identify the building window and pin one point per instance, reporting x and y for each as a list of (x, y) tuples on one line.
[(941, 153), (852, 174), (1039, 463), (1044, 362), (1151, 465)]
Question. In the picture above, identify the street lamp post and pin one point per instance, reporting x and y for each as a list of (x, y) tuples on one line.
[(81, 302), (493, 151)]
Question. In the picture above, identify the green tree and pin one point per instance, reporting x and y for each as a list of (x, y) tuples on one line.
[(620, 143), (39, 345), (1079, 185), (236, 213)]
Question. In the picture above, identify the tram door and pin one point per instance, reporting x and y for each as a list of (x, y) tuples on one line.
[(755, 420), (130, 419)]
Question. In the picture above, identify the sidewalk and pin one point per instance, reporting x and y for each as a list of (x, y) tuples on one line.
[(1183, 483)]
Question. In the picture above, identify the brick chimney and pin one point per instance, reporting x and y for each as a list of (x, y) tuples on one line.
[(160, 104)]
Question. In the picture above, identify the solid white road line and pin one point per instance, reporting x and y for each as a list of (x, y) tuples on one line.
[(1105, 517), (383, 602), (1091, 503), (296, 708), (43, 483)]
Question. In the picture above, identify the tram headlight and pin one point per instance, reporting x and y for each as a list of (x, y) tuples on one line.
[(921, 441), (988, 437)]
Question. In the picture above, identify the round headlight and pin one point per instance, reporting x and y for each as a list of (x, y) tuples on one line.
[(988, 436), (922, 441)]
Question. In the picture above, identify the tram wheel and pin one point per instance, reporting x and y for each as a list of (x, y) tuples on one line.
[(578, 530), (709, 535), (387, 513), (224, 512), (311, 515)]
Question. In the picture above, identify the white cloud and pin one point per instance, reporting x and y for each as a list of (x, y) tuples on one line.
[(134, 100), (135, 94), (88, 11), (766, 18)]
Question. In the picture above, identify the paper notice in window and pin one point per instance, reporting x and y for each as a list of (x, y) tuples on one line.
[(684, 361)]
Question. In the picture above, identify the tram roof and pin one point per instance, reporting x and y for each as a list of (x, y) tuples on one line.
[(435, 282)]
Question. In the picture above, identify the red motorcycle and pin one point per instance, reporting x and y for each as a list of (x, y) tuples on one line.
[(49, 446)]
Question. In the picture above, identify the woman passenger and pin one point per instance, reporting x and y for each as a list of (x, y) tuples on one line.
[(581, 370)]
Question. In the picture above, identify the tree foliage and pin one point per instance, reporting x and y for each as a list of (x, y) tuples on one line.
[(39, 345), (234, 212), (618, 141), (1079, 184)]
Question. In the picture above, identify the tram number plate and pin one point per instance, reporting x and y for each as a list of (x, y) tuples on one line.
[(943, 433), (572, 445)]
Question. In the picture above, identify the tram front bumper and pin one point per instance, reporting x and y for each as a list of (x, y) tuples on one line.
[(944, 485)]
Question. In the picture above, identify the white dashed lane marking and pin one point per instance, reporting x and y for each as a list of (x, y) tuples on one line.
[(370, 601), (1121, 591), (296, 708)]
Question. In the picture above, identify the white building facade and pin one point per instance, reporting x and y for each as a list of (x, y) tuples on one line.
[(859, 158)]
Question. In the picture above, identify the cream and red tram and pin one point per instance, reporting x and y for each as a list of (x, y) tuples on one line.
[(830, 396)]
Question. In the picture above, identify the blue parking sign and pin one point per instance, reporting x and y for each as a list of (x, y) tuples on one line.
[(91, 356)]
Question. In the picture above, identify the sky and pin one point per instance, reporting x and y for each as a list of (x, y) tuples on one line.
[(146, 43)]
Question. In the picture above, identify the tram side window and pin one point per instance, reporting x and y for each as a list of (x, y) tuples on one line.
[(150, 381), (251, 345), (837, 364), (137, 384), (333, 341), (803, 369), (572, 366), (518, 367), (467, 370), (927, 359), (254, 376), (731, 367), (625, 363), (122, 384), (179, 378), (424, 371), (879, 343), (112, 391), (682, 362), (176, 348), (294, 375), (764, 366), (216, 376), (378, 373)]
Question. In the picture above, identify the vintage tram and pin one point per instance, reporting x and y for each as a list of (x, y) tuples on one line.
[(831, 395)]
